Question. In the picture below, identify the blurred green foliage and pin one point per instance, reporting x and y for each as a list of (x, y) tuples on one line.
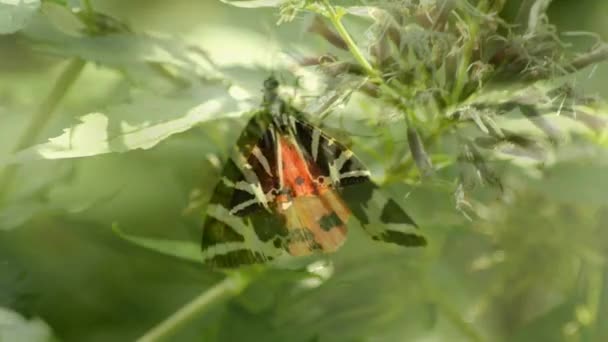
[(116, 113)]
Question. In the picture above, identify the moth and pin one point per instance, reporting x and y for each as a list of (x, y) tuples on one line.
[(289, 189)]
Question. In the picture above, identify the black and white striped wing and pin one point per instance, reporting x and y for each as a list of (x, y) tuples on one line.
[(381, 217), (247, 223), (240, 228)]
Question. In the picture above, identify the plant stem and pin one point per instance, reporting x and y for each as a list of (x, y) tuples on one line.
[(462, 73), (232, 285), (453, 315), (598, 55), (41, 118), (464, 327), (87, 6), (334, 17), (594, 298)]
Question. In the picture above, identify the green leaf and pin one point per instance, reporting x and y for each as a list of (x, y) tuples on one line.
[(49, 34), (579, 181), (181, 249), (100, 133), (15, 215), (255, 3), (66, 3), (13, 327), (16, 14)]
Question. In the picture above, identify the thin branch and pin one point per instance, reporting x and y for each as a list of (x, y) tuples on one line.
[(596, 56), (452, 314), (41, 118), (231, 286), (335, 19), (375, 76)]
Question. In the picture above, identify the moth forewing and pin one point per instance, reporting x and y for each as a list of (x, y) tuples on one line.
[(230, 241), (380, 216), (251, 182)]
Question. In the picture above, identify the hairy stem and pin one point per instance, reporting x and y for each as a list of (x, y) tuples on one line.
[(595, 56), (336, 21)]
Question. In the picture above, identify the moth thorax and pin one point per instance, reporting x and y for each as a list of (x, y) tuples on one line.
[(281, 120)]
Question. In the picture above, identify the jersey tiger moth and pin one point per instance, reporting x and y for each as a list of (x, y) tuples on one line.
[(290, 189)]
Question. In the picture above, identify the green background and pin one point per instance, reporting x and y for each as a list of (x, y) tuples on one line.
[(533, 269)]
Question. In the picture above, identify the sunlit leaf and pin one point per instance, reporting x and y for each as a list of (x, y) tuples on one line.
[(100, 133), (254, 3), (16, 14), (13, 327), (119, 50)]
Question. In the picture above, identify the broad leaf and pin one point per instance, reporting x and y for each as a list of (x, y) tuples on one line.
[(254, 3), (13, 327), (100, 133), (16, 14), (123, 50), (16, 214)]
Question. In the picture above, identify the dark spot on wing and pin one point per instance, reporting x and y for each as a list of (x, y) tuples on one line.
[(217, 232), (357, 198), (302, 235), (330, 221), (237, 258), (241, 196), (352, 164), (402, 239), (267, 226), (353, 180), (300, 180), (392, 213), (348, 165)]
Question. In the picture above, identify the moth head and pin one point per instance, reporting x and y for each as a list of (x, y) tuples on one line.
[(273, 103), (271, 91), (271, 84)]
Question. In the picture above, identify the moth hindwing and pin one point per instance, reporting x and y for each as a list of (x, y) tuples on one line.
[(289, 190)]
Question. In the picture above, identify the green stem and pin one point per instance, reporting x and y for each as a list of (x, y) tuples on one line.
[(334, 17), (464, 327), (336, 21), (87, 6), (453, 315), (41, 118), (595, 284), (462, 72), (231, 286)]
